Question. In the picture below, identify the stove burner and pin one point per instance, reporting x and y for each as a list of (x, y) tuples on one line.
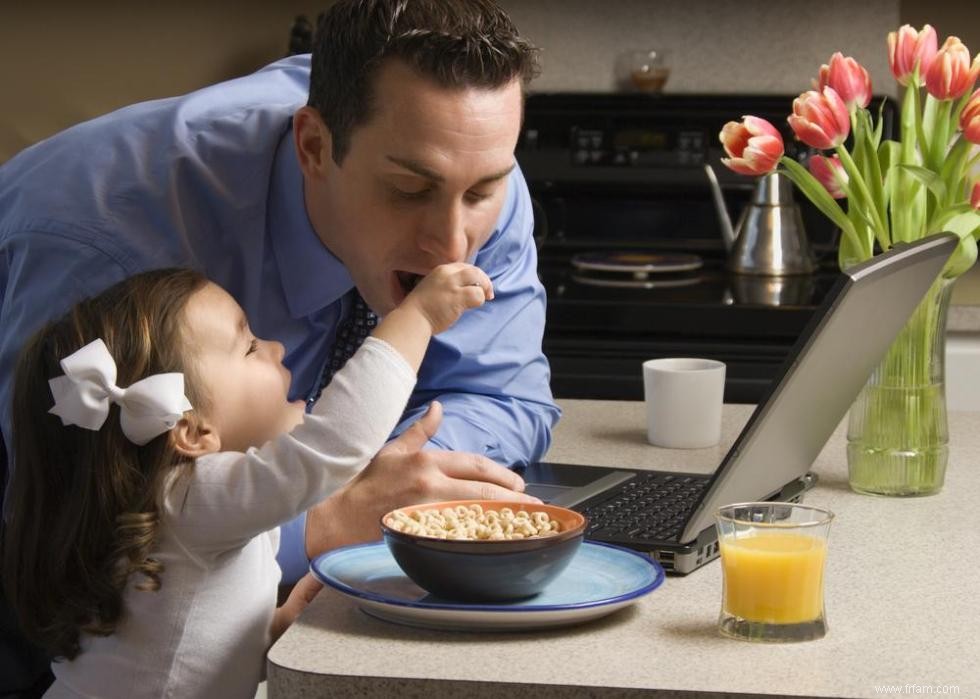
[(641, 283), (637, 264)]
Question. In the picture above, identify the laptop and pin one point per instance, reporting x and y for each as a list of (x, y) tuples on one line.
[(669, 515)]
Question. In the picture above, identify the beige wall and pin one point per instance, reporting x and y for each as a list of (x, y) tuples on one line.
[(713, 45), (63, 62)]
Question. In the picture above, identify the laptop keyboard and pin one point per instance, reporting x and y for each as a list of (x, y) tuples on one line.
[(650, 507)]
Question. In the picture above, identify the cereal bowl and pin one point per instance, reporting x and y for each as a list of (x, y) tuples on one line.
[(478, 568)]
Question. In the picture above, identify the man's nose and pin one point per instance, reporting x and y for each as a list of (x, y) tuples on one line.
[(443, 235)]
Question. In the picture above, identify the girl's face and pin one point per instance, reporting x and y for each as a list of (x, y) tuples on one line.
[(242, 375)]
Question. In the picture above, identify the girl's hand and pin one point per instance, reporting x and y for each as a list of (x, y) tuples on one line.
[(447, 292), (300, 596)]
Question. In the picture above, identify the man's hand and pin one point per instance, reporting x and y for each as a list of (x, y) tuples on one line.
[(402, 474)]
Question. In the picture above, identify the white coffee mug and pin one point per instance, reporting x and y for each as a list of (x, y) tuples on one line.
[(684, 398)]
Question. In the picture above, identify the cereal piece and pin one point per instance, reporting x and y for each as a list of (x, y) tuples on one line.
[(474, 523)]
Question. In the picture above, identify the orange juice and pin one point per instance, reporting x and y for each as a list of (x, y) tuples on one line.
[(774, 577)]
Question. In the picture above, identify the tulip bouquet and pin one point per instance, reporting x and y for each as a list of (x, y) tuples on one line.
[(896, 191)]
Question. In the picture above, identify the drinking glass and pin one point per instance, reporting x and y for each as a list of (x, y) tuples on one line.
[(772, 557), (643, 71)]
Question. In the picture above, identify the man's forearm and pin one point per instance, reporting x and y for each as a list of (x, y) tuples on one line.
[(315, 531)]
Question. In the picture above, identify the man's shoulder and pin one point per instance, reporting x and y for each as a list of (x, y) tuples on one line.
[(515, 223), (160, 139), (139, 169)]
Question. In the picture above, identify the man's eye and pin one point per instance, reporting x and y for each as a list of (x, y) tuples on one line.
[(411, 195), (253, 346)]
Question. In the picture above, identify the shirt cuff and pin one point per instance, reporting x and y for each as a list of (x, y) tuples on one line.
[(292, 550)]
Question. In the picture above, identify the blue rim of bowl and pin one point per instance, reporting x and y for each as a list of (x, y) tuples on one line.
[(504, 607)]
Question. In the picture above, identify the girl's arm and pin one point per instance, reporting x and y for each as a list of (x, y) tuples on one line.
[(229, 497)]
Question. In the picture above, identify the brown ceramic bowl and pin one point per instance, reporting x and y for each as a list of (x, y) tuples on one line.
[(485, 570)]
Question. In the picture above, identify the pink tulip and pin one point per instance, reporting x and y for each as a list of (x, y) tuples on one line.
[(975, 196), (755, 146), (849, 78), (970, 118), (830, 173), (907, 47), (820, 119), (951, 75)]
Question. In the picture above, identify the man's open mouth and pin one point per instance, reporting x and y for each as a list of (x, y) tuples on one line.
[(402, 283), (408, 281)]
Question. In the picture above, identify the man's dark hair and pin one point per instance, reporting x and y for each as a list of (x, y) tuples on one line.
[(456, 43)]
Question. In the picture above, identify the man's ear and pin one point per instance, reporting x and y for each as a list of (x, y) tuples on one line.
[(314, 146), (193, 437)]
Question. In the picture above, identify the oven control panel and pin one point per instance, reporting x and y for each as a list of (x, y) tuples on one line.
[(611, 137), (637, 146), (630, 146)]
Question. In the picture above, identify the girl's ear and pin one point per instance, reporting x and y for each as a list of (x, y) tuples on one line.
[(193, 437)]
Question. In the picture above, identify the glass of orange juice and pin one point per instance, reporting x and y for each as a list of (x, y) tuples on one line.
[(772, 558)]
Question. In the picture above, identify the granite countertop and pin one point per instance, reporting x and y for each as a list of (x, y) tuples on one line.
[(964, 311), (901, 603)]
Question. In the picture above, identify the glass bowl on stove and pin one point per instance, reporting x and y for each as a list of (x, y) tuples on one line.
[(643, 70)]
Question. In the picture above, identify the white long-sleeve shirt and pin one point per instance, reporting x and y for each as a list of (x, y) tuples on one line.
[(204, 633)]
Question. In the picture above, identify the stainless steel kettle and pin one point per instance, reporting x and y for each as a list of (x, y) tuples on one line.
[(769, 238)]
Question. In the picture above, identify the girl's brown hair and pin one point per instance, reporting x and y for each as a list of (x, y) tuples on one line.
[(83, 506)]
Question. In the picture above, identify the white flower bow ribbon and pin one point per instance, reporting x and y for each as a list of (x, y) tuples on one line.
[(82, 396)]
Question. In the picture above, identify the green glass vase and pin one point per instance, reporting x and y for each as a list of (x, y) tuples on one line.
[(898, 435)]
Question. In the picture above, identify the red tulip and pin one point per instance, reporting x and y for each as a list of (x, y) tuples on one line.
[(754, 146), (830, 173), (975, 196), (970, 118), (951, 75), (907, 47), (820, 119), (849, 78)]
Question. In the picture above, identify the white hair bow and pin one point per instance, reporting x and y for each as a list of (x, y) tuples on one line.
[(82, 396)]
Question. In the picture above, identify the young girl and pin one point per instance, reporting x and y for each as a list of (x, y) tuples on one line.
[(157, 454)]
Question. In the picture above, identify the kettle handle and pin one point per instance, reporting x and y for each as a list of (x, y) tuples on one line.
[(725, 221)]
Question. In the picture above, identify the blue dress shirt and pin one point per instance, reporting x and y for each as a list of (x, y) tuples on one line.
[(210, 180)]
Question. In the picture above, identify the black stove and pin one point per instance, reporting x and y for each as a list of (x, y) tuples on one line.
[(601, 328), (621, 176)]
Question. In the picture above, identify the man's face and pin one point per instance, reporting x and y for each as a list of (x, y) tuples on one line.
[(421, 185)]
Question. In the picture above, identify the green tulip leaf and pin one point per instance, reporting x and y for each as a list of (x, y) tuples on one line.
[(889, 153), (814, 191), (963, 257), (965, 225), (929, 178), (944, 216), (881, 122)]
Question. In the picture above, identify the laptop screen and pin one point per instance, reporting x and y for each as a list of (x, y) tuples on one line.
[(827, 368)]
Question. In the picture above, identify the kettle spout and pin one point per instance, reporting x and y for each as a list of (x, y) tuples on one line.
[(724, 220)]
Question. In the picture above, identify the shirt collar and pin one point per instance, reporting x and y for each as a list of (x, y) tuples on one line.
[(312, 277)]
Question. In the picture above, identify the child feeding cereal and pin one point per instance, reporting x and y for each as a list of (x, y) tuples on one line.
[(157, 454)]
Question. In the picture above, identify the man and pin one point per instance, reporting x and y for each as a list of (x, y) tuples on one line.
[(400, 159)]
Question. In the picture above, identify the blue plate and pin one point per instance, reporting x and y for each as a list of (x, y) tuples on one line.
[(599, 580)]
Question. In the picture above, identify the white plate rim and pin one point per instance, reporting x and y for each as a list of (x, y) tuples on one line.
[(464, 620)]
